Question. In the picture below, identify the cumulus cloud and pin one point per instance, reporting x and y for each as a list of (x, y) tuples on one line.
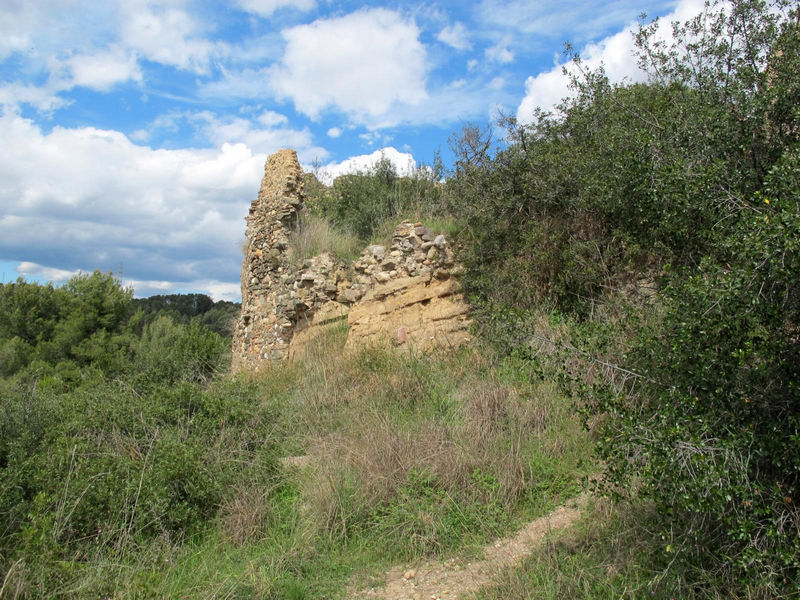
[(614, 53), (403, 162), (168, 36), (265, 8), (455, 36), (102, 70), (363, 64), (165, 215)]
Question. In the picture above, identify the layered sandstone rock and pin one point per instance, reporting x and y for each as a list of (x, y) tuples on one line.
[(412, 296), (407, 292)]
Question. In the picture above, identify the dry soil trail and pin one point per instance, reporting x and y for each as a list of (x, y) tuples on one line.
[(450, 579)]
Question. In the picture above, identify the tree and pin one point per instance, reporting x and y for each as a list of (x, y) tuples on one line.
[(691, 180), (712, 434), (80, 323)]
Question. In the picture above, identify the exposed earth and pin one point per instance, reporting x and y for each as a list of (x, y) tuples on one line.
[(451, 579)]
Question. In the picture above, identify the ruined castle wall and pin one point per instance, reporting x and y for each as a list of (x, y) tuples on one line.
[(407, 293), (266, 324)]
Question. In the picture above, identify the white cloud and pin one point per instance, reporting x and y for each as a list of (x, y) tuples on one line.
[(31, 270), (573, 19), (458, 101), (455, 36), (45, 98), (403, 162), (334, 132), (376, 138), (88, 198), (102, 70), (169, 37), (99, 71), (544, 91), (34, 28), (614, 53), (265, 8), (245, 83), (140, 135), (12, 41), (264, 139), (499, 53), (217, 290), (63, 44), (364, 64), (270, 118)]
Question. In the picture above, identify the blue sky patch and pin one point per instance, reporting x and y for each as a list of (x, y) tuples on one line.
[(135, 132)]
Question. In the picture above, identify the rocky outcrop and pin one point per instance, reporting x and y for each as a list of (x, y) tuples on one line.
[(407, 293)]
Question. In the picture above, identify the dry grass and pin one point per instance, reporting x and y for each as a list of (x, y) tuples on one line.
[(314, 235), (379, 416), (245, 514)]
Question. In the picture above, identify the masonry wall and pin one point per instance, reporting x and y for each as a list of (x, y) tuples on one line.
[(407, 293)]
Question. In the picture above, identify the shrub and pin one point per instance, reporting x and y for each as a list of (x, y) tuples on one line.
[(361, 202)]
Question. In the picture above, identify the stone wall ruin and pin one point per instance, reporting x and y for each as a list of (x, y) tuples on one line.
[(407, 292)]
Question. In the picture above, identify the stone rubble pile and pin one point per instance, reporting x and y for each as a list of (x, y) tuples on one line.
[(415, 250)]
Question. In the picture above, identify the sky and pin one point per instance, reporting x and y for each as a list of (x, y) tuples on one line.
[(134, 133)]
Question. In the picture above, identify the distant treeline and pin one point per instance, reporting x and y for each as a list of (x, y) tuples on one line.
[(92, 322), (217, 316)]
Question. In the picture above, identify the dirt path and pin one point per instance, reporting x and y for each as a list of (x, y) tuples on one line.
[(448, 580)]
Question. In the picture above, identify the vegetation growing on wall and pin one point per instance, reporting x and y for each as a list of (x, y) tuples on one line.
[(370, 203)]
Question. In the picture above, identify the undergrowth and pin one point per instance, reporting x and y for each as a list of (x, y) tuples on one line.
[(615, 552), (132, 487)]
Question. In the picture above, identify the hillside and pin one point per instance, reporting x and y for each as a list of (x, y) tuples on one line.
[(632, 268)]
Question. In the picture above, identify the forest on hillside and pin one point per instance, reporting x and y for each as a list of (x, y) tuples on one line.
[(633, 260)]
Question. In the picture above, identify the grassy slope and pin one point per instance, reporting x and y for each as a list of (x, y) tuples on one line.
[(410, 456)]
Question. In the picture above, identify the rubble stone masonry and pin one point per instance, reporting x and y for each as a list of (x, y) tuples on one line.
[(407, 293)]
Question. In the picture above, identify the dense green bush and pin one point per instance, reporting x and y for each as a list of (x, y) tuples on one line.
[(690, 182), (112, 432), (716, 432), (360, 203)]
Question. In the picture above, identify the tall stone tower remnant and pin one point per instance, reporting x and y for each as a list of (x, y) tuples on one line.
[(407, 293), (265, 327)]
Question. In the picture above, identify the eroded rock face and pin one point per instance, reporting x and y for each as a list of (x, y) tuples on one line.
[(411, 294), (407, 292)]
